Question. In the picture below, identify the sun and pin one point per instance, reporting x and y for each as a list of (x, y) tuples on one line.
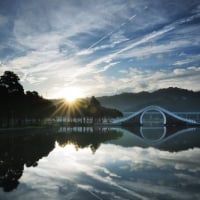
[(70, 94)]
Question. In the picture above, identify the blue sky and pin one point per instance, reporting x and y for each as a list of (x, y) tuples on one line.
[(101, 47)]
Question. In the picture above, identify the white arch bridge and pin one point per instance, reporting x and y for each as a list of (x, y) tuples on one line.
[(163, 117)]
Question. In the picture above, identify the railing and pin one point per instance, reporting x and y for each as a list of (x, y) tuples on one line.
[(186, 115)]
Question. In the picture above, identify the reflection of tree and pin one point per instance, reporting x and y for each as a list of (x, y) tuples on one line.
[(24, 147), (19, 150), (88, 138)]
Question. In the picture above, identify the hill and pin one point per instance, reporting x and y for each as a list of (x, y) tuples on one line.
[(173, 99)]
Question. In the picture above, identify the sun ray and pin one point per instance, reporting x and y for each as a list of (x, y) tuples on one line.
[(61, 108)]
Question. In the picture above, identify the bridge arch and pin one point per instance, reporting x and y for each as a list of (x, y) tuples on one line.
[(153, 108), (169, 118), (161, 134)]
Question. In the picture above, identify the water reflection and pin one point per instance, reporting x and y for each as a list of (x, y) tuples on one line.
[(153, 134), (109, 158), (17, 150), (86, 137), (163, 138)]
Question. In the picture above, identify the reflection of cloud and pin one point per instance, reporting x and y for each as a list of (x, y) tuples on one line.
[(128, 172)]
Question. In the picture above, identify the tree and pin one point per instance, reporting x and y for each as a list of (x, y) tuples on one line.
[(94, 102), (16, 107), (12, 94), (10, 81), (37, 107), (94, 109)]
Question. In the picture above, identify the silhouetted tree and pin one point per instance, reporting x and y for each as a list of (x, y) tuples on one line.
[(37, 107), (94, 102), (16, 107), (12, 93), (98, 112), (10, 81), (94, 109)]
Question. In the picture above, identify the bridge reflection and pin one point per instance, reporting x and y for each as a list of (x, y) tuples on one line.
[(157, 135)]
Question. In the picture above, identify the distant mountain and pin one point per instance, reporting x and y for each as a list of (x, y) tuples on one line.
[(173, 99)]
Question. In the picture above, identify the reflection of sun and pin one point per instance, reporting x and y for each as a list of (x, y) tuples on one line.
[(71, 94)]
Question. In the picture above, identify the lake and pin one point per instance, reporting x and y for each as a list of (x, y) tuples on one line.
[(100, 163)]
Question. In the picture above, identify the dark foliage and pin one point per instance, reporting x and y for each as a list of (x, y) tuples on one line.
[(18, 108), (87, 111)]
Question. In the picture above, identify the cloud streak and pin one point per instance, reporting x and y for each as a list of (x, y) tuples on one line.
[(98, 40)]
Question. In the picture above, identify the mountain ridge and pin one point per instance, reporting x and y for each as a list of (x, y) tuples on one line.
[(172, 98)]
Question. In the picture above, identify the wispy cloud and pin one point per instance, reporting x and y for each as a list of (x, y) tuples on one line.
[(3, 20), (190, 59), (150, 37), (136, 80), (79, 43), (152, 49)]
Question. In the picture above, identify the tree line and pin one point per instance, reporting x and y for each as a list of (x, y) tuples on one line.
[(19, 108)]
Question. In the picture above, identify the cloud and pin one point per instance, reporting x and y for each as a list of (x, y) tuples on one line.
[(94, 49), (136, 80), (100, 41), (144, 39), (190, 59), (175, 78), (3, 20), (115, 38), (106, 67), (152, 49), (46, 36), (118, 37), (108, 58), (126, 51), (68, 18), (123, 71)]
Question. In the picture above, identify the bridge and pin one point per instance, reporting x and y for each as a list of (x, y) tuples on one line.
[(157, 135), (154, 116)]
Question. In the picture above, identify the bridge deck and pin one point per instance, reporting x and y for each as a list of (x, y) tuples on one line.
[(169, 117)]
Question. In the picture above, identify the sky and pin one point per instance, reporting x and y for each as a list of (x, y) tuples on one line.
[(101, 47)]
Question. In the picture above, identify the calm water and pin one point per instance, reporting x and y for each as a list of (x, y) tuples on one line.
[(133, 163)]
